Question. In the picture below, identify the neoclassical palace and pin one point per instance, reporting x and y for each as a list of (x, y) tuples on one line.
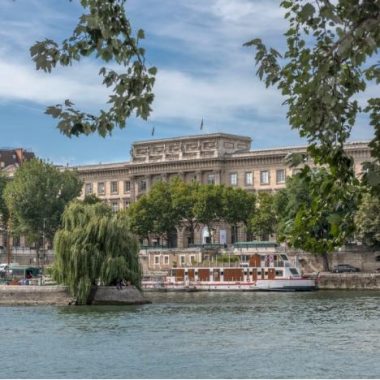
[(217, 158)]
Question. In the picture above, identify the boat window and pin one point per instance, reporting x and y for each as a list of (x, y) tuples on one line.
[(293, 271), (284, 257), (279, 273)]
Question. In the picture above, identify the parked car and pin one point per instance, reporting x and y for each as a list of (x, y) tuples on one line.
[(344, 268), (4, 267)]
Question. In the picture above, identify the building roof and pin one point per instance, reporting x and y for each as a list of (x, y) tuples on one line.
[(194, 137), (13, 157)]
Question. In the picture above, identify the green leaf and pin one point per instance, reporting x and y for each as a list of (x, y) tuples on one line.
[(306, 12), (140, 34), (152, 70)]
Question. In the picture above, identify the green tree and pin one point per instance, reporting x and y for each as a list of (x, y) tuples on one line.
[(326, 65), (103, 31), (94, 246), (154, 214), (4, 214), (317, 219), (288, 201), (140, 218), (91, 199), (238, 207), (208, 207), (183, 197), (263, 221), (367, 221), (36, 198), (165, 216)]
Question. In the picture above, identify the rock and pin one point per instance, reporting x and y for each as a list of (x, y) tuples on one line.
[(110, 295)]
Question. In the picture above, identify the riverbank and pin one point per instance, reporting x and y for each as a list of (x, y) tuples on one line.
[(348, 281), (58, 295), (108, 295)]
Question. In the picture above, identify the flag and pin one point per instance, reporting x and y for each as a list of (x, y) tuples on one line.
[(201, 124), (153, 131)]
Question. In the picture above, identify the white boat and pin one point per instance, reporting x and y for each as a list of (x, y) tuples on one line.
[(272, 272)]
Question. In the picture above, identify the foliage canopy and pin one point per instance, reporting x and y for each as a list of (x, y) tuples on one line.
[(367, 220), (104, 31), (316, 212), (94, 246), (326, 65), (37, 196)]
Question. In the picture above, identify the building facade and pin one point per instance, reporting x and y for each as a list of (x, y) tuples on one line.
[(11, 159), (217, 158)]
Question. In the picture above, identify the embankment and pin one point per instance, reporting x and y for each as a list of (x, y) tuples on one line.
[(110, 295), (59, 296), (34, 295), (346, 281)]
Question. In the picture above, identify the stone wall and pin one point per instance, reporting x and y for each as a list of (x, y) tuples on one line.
[(110, 295), (366, 261), (34, 295), (352, 281), (58, 295)]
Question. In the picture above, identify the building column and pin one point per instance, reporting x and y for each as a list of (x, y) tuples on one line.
[(217, 177), (134, 188), (199, 176), (180, 237), (148, 180)]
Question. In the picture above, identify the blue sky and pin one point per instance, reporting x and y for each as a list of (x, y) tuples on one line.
[(203, 72)]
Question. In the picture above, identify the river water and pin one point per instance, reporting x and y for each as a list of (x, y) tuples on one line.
[(323, 334)]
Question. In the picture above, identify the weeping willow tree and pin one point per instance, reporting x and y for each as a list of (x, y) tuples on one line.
[(94, 246)]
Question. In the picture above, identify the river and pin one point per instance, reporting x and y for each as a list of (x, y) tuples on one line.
[(325, 334)]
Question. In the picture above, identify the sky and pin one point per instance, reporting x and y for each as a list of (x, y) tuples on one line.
[(203, 72)]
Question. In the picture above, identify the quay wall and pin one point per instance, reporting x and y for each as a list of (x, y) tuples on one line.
[(59, 296), (349, 281), (110, 295), (34, 295), (366, 261)]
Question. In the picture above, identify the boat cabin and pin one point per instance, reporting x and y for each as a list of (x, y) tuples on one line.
[(260, 267)]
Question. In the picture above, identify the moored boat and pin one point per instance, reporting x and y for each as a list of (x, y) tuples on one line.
[(272, 272)]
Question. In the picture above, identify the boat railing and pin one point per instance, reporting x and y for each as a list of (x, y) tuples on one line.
[(208, 246), (255, 244), (154, 247)]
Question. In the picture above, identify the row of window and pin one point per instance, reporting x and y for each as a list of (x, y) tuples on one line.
[(115, 204), (166, 259), (264, 177), (234, 180), (101, 187)]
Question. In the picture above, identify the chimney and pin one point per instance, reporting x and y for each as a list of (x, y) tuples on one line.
[(20, 155)]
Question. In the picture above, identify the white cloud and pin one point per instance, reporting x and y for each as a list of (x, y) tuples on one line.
[(197, 46), (23, 82), (220, 98)]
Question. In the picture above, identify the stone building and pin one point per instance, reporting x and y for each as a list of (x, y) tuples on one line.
[(11, 159), (217, 158)]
